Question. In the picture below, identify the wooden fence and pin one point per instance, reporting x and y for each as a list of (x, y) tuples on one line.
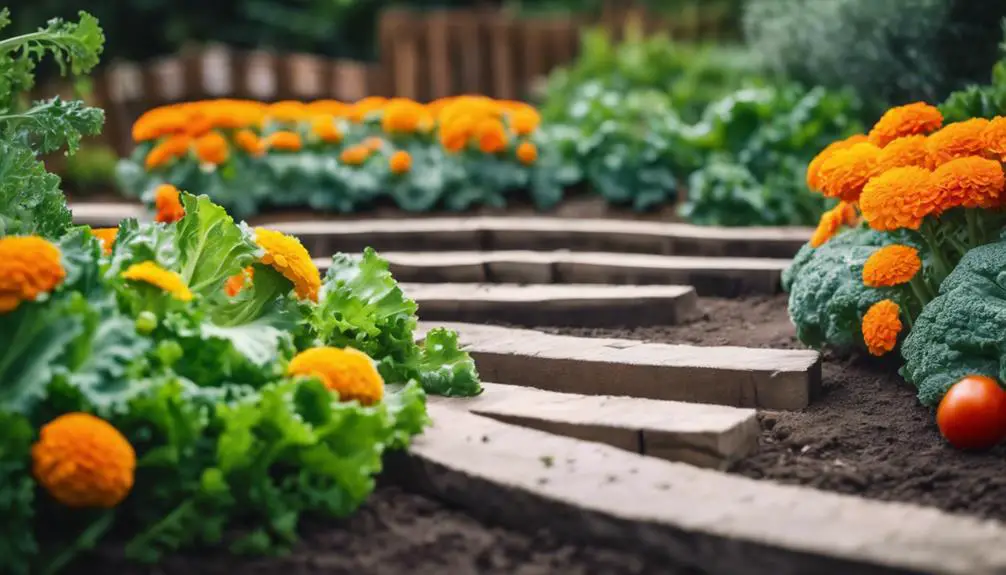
[(423, 55)]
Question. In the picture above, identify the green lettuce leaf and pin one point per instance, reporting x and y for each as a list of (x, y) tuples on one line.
[(211, 246)]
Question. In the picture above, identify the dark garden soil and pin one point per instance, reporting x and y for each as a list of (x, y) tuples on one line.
[(867, 435), (402, 533)]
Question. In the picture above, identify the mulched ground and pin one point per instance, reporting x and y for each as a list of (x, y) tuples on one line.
[(401, 533), (867, 435)]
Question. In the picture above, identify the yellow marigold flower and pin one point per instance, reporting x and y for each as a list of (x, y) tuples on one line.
[(349, 372), (175, 146), (83, 461), (847, 171), (900, 198), (287, 111), (907, 120), (400, 162), (167, 201), (527, 153), (29, 266), (491, 135), (249, 141), (994, 138), (881, 327), (106, 236), (325, 129), (236, 282), (284, 140), (814, 168), (956, 140), (168, 281), (972, 182), (359, 111), (355, 155), (891, 266), (289, 257), (212, 148), (907, 151), (403, 116)]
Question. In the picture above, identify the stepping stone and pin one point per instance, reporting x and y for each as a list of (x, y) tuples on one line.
[(544, 233), (106, 215), (598, 494), (703, 435), (735, 376), (724, 277), (588, 305)]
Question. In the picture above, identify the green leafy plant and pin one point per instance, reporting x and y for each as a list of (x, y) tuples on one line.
[(30, 199)]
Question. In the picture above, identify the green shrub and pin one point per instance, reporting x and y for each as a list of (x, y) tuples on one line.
[(890, 51)]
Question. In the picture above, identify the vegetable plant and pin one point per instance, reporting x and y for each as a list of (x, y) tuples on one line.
[(187, 382)]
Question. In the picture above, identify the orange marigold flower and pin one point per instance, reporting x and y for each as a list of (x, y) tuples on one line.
[(491, 135), (891, 266), (355, 155), (831, 221), (249, 141), (847, 171), (454, 136), (524, 120), (527, 153), (403, 116), (284, 140), (289, 257), (956, 140), (287, 111), (167, 201), (900, 198), (106, 237), (29, 266), (907, 120), (907, 151), (198, 124), (325, 129), (168, 281), (349, 372), (972, 182), (236, 282), (994, 138), (881, 327), (212, 148), (374, 144), (359, 111), (174, 146), (400, 162), (83, 461), (814, 168), (158, 122)]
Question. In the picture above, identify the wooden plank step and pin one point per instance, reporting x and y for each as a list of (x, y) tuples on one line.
[(556, 304), (106, 215), (704, 435), (544, 233), (725, 524), (723, 277), (735, 376)]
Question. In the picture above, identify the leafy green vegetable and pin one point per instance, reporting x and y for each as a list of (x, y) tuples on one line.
[(827, 298), (211, 247), (960, 331)]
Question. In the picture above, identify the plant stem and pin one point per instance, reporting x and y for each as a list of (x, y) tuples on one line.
[(974, 235), (942, 266), (922, 291), (11, 44), (86, 541)]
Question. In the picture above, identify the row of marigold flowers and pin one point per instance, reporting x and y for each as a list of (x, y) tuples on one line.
[(258, 128)]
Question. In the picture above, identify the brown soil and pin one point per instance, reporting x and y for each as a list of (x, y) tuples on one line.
[(866, 435), (402, 533)]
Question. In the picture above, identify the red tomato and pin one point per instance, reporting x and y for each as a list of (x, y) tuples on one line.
[(972, 415)]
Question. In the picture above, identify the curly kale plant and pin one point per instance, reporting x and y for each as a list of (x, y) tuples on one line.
[(30, 198), (827, 296), (961, 332)]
